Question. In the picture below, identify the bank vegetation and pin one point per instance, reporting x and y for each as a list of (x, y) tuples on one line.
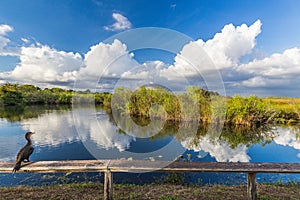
[(195, 104)]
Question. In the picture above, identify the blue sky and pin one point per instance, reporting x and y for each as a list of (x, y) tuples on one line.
[(68, 30)]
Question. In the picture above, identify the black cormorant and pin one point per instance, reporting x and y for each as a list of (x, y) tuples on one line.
[(24, 153)]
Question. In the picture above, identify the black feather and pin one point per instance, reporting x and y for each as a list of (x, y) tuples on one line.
[(24, 153)]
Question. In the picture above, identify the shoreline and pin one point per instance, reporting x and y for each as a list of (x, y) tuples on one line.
[(195, 104)]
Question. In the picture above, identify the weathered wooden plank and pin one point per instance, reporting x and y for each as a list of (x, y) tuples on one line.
[(237, 167), (136, 165), (251, 186), (58, 166), (144, 166)]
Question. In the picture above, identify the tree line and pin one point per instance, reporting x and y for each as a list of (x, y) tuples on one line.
[(13, 94)]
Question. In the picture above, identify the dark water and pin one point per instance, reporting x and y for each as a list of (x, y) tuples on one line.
[(64, 133)]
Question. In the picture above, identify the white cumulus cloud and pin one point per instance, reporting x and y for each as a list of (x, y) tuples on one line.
[(4, 29), (227, 47), (105, 61), (4, 41), (277, 65), (278, 69), (261, 81), (222, 52), (122, 23), (42, 64), (25, 40)]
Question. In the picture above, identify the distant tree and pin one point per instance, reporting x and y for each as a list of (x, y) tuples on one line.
[(10, 95)]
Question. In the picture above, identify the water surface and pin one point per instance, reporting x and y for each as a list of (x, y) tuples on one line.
[(65, 133)]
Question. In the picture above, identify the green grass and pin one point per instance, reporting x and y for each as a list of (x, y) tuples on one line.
[(149, 191)]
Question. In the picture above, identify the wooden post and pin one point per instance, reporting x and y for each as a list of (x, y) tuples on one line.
[(251, 186), (108, 185)]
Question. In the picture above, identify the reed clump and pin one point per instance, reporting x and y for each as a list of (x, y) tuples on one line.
[(197, 104)]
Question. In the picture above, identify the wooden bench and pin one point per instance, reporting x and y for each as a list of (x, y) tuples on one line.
[(110, 166)]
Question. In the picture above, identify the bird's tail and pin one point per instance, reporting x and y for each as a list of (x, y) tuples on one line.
[(17, 166)]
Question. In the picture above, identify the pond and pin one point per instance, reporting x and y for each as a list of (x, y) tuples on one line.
[(77, 133)]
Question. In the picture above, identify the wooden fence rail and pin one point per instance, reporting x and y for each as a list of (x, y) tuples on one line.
[(111, 166)]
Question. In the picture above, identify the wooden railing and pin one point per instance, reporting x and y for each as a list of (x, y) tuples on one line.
[(110, 166)]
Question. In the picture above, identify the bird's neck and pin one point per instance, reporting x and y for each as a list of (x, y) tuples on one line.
[(29, 142)]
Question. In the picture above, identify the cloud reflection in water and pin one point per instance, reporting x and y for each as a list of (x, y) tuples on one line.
[(57, 127)]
